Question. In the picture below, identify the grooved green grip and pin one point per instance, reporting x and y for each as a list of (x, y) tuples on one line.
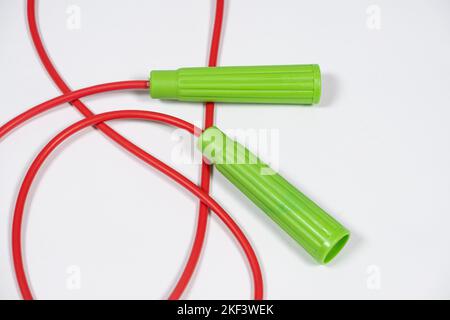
[(319, 233), (289, 84)]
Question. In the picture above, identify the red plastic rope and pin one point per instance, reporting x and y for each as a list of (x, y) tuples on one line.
[(186, 183), (73, 97)]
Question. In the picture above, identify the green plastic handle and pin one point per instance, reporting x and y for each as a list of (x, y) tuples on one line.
[(315, 230), (289, 84)]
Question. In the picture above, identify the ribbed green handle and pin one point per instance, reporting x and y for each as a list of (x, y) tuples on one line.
[(289, 84), (321, 235)]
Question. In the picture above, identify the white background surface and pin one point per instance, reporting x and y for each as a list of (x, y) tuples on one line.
[(375, 153)]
